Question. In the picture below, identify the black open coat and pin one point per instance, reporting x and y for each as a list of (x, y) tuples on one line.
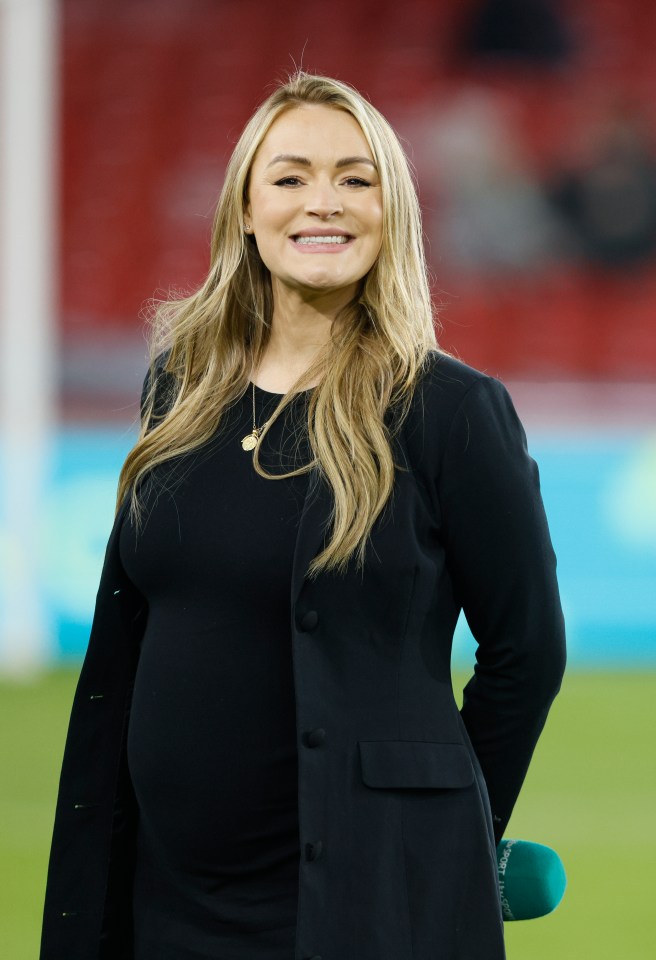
[(401, 796)]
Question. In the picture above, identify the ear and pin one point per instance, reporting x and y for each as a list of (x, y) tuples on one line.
[(247, 218)]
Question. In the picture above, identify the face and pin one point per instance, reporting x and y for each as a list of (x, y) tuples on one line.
[(314, 201)]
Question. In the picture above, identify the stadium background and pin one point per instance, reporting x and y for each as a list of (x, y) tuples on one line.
[(531, 127)]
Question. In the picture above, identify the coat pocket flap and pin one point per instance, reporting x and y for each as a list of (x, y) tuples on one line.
[(415, 763)]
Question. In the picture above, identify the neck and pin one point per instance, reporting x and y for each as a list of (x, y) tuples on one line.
[(300, 329)]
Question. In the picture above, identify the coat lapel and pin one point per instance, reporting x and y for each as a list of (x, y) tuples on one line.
[(312, 528)]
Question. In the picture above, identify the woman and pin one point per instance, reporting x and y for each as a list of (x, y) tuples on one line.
[(265, 759)]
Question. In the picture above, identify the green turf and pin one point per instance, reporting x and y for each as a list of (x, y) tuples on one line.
[(590, 793), (33, 720)]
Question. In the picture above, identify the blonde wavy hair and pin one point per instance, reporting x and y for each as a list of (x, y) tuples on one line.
[(207, 345)]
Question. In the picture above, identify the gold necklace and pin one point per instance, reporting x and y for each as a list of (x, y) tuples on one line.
[(250, 441)]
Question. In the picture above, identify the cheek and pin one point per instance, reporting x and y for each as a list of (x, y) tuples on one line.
[(260, 210), (375, 217), (376, 226), (268, 211)]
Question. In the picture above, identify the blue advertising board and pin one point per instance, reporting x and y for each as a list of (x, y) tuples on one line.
[(599, 493)]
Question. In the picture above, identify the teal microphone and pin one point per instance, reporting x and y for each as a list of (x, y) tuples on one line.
[(532, 879)]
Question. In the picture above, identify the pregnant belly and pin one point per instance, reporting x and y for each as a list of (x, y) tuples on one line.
[(212, 753)]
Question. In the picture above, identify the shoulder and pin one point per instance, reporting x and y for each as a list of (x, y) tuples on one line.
[(455, 405), (160, 386), (445, 384)]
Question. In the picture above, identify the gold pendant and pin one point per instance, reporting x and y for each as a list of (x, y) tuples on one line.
[(250, 442)]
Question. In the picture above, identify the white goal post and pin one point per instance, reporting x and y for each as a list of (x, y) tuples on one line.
[(28, 172)]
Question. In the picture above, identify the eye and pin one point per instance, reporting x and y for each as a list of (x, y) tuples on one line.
[(357, 182), (288, 181)]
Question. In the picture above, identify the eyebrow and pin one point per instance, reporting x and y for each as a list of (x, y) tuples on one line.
[(305, 162)]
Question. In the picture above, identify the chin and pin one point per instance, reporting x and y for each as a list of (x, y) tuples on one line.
[(326, 281), (318, 283)]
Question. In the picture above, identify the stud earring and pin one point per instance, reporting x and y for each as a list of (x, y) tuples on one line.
[(247, 227)]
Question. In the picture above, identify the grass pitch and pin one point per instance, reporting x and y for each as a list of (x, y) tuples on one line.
[(590, 794)]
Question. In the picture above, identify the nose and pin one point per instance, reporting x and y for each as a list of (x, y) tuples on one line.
[(323, 200)]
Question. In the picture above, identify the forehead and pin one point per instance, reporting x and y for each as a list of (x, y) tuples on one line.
[(313, 129)]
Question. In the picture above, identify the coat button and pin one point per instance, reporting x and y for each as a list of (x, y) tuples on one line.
[(309, 620), (314, 738), (313, 850)]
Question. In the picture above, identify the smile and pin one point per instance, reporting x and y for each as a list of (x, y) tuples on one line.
[(336, 239)]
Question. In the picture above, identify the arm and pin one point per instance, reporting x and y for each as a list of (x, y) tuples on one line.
[(116, 934), (503, 568)]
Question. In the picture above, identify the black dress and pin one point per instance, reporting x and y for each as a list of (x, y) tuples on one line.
[(212, 735)]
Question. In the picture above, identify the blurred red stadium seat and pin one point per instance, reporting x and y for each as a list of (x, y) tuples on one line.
[(150, 102)]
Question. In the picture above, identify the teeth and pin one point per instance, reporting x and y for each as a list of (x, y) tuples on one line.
[(339, 239)]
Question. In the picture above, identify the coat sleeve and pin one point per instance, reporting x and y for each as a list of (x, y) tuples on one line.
[(116, 932), (503, 568)]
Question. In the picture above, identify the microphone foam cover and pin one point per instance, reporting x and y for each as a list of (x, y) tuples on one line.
[(532, 879)]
